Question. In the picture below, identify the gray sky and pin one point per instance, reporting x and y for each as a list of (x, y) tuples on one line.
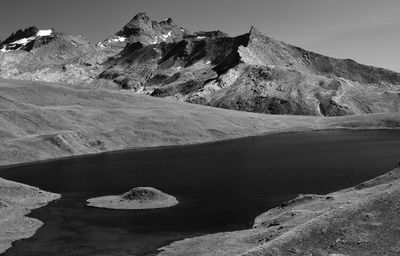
[(364, 30)]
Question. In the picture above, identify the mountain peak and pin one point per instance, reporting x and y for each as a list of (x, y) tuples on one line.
[(256, 33), (141, 16), (21, 33), (167, 22), (25, 39), (142, 29)]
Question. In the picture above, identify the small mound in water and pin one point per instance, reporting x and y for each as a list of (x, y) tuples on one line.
[(137, 198)]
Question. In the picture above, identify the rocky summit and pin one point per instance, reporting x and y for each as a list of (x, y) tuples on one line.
[(142, 29), (251, 72)]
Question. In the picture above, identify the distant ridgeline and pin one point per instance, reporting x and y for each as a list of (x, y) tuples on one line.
[(251, 72)]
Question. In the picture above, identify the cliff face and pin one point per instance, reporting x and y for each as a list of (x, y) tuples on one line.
[(251, 72)]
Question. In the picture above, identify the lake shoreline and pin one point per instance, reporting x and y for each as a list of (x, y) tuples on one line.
[(337, 223), (118, 151), (163, 147), (16, 202)]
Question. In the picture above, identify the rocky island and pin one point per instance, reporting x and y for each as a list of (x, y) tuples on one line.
[(136, 199)]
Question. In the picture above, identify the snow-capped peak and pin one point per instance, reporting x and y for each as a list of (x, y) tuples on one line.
[(45, 32), (31, 34)]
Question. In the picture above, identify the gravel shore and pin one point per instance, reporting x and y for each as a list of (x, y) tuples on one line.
[(16, 201)]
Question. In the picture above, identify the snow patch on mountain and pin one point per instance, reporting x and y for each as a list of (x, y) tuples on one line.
[(24, 41), (4, 49), (45, 32), (101, 45), (166, 36), (118, 39)]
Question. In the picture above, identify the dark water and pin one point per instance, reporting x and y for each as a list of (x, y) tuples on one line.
[(221, 186)]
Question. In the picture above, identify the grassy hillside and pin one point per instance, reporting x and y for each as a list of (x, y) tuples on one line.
[(42, 121)]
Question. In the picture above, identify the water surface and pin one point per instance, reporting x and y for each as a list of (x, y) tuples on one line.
[(220, 186)]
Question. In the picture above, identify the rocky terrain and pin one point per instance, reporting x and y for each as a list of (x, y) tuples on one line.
[(41, 121), (362, 220), (139, 198), (16, 201), (250, 72)]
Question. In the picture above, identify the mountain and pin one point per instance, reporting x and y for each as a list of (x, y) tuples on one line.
[(27, 39), (256, 73), (47, 55), (251, 72), (146, 31)]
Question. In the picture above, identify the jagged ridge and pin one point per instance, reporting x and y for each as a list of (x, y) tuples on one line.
[(251, 72), (254, 72)]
